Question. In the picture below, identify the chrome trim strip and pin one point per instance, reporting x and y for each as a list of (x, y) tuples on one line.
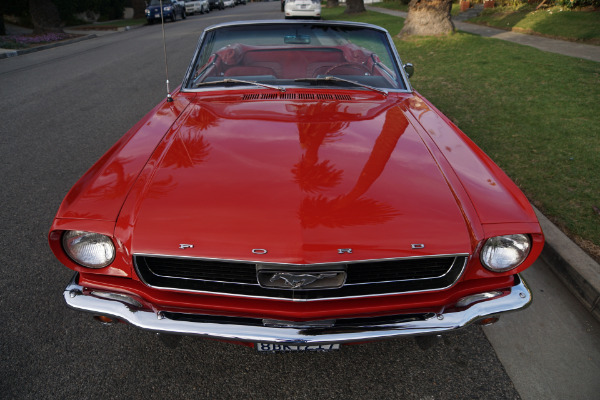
[(188, 74), (519, 297), (308, 266), (302, 265), (305, 300), (417, 279)]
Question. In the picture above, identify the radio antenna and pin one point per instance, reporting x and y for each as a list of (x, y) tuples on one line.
[(162, 23)]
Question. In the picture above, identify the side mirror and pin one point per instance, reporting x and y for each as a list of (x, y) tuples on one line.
[(409, 69)]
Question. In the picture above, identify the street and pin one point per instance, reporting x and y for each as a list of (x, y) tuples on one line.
[(62, 108)]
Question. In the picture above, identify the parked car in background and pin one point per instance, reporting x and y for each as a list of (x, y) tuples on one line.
[(302, 9), (216, 5), (243, 2), (196, 6), (229, 3), (293, 194), (170, 10)]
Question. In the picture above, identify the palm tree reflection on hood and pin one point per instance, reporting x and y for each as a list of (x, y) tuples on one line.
[(310, 174), (351, 209), (189, 147)]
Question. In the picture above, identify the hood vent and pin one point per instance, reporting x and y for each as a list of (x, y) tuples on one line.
[(296, 96)]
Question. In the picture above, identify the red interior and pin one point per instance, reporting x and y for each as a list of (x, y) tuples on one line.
[(294, 62)]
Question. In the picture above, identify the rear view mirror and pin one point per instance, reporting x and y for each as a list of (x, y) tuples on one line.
[(297, 39)]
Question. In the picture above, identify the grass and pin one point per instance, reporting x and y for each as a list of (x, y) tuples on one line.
[(399, 6), (535, 113), (392, 5), (556, 22)]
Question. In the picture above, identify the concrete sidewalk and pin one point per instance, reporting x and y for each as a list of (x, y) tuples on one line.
[(573, 49)]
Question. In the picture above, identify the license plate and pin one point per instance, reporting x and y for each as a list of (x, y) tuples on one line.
[(156, 15), (277, 348)]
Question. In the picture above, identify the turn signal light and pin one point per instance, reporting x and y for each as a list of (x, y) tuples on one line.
[(104, 319), (488, 321)]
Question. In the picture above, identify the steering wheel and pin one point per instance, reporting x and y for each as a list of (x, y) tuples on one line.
[(356, 66)]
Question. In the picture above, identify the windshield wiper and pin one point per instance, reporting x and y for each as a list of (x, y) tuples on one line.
[(231, 80), (330, 78)]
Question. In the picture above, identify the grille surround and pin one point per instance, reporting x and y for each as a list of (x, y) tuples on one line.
[(239, 278)]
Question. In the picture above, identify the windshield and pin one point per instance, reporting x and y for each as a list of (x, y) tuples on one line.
[(295, 54)]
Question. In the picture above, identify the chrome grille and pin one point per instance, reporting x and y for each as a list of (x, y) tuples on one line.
[(364, 278)]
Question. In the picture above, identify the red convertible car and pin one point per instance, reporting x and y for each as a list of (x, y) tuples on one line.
[(295, 193)]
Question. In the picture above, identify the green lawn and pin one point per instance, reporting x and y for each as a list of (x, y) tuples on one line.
[(536, 114), (558, 22), (399, 6), (392, 5)]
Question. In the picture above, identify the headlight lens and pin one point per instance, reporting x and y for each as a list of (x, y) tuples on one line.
[(89, 249), (503, 253)]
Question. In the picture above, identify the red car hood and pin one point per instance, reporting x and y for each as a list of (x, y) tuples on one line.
[(240, 176)]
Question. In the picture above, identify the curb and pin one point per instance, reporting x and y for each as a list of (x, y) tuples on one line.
[(575, 268), (45, 47)]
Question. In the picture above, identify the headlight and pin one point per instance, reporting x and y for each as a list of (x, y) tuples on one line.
[(167, 8), (503, 253), (89, 249)]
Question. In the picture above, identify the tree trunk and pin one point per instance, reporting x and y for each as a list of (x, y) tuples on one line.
[(44, 16), (139, 7), (355, 6), (428, 18), (333, 3), (2, 27)]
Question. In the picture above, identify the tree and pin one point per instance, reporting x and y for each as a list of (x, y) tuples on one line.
[(333, 3), (138, 8), (44, 16), (15, 8), (355, 6), (428, 18)]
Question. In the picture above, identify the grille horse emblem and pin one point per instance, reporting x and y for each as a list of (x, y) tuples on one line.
[(300, 280)]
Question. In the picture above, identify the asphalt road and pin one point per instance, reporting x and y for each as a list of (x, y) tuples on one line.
[(61, 110)]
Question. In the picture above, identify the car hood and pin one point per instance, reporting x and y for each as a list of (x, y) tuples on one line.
[(296, 181)]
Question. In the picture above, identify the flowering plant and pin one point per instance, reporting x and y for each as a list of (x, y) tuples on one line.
[(23, 41)]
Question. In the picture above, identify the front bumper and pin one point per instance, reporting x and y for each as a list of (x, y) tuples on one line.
[(518, 297), (155, 15)]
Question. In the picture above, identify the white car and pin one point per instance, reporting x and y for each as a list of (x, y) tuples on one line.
[(196, 6), (303, 9), (228, 3)]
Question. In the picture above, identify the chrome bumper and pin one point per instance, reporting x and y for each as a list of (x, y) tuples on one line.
[(518, 298)]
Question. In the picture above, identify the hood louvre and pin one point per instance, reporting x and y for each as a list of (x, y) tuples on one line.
[(296, 96)]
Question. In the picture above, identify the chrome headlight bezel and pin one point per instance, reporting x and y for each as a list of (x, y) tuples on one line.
[(88, 249), (506, 252)]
